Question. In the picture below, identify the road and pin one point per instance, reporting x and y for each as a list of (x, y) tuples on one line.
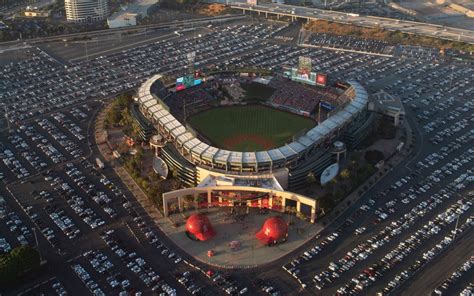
[(142, 28)]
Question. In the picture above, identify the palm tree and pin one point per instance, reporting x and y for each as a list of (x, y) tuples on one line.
[(311, 178), (172, 208), (197, 201), (187, 200), (291, 211)]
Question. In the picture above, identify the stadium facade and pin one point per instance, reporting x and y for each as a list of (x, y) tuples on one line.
[(195, 161)]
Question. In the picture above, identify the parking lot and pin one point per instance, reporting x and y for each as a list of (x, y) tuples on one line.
[(100, 241), (364, 257)]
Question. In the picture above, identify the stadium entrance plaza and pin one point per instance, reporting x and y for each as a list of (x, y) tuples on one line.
[(239, 227)]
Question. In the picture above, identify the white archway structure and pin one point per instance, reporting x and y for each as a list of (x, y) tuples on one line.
[(178, 195)]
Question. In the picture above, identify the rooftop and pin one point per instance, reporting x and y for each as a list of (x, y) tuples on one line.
[(269, 183), (133, 9), (385, 101)]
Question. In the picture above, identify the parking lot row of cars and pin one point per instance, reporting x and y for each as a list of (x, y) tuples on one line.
[(117, 269), (137, 264), (64, 223), (350, 43), (406, 247), (15, 225), (71, 126), (434, 177), (100, 197), (413, 192), (47, 86), (37, 151), (87, 280), (365, 249), (13, 164), (450, 116), (427, 257), (443, 288), (448, 83), (78, 203), (61, 138), (53, 286), (312, 252), (383, 212), (468, 291), (40, 141), (458, 126), (188, 281)]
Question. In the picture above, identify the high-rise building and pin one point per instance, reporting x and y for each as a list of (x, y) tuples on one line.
[(83, 11)]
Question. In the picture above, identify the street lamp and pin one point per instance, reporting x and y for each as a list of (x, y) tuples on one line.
[(36, 242)]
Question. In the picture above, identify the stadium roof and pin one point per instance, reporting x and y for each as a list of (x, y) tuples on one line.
[(263, 182), (288, 152)]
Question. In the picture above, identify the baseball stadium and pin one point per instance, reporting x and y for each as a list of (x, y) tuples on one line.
[(248, 139), (252, 130)]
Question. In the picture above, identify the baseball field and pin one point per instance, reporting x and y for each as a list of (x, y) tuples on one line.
[(248, 128)]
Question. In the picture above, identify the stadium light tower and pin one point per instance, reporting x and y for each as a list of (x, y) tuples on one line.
[(191, 57)]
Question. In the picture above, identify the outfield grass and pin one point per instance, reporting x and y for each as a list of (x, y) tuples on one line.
[(248, 128)]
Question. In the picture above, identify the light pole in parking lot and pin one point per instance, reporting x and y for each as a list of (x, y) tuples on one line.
[(87, 53), (456, 227), (6, 117), (452, 77), (37, 245)]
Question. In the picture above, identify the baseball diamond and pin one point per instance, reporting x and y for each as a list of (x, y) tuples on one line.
[(249, 128)]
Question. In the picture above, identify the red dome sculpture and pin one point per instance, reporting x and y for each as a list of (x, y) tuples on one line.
[(200, 227), (274, 230)]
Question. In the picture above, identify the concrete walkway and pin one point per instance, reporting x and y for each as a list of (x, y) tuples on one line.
[(102, 144), (388, 166)]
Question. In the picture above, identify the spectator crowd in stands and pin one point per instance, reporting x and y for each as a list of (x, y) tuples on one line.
[(289, 95), (299, 97), (195, 99)]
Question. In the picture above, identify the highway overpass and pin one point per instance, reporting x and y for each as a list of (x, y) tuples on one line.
[(298, 12)]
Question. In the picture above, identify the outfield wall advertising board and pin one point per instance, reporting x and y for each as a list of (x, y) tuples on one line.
[(327, 106), (187, 81), (321, 79), (303, 77)]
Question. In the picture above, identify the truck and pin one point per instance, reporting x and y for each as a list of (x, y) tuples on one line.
[(99, 163)]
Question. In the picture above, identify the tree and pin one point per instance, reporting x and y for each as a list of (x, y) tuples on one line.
[(126, 120), (187, 200), (345, 173), (302, 216), (290, 211), (199, 199), (311, 178), (373, 156), (114, 116), (17, 263), (327, 202), (173, 208)]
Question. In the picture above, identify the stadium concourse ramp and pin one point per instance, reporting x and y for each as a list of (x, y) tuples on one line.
[(288, 156)]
